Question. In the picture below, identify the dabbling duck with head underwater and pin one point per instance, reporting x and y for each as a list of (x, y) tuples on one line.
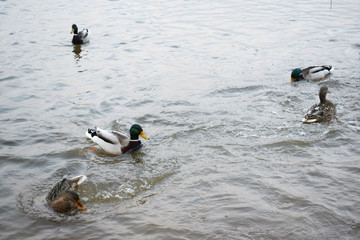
[(63, 197)]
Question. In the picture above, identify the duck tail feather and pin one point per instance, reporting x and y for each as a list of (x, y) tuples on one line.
[(328, 67), (91, 132), (78, 180)]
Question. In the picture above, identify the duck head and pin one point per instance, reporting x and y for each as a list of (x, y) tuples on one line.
[(63, 203), (322, 93), (135, 131), (74, 29), (296, 75)]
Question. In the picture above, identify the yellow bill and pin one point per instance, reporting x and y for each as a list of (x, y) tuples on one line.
[(80, 205), (143, 135)]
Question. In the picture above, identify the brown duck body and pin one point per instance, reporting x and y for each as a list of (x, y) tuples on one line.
[(324, 111), (63, 197)]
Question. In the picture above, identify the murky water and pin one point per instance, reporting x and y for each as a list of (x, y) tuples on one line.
[(209, 81)]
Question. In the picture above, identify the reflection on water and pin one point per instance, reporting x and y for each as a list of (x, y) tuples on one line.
[(77, 52)]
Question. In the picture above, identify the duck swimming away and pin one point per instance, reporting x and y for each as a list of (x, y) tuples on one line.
[(63, 197), (324, 111), (115, 142), (80, 37), (311, 73)]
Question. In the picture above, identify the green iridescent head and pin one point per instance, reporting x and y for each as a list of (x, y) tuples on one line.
[(135, 131), (295, 75), (74, 29)]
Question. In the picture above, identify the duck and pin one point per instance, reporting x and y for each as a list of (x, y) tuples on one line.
[(63, 197), (80, 37), (311, 73), (324, 111), (117, 143)]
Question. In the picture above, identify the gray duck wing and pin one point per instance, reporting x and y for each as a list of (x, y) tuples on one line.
[(316, 111), (83, 34), (123, 139)]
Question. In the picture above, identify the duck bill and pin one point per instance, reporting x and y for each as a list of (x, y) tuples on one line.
[(292, 80), (143, 135), (79, 205)]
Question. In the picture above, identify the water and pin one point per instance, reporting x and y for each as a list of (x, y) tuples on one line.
[(228, 156)]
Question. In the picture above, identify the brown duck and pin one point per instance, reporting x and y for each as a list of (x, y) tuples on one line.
[(63, 198), (324, 111)]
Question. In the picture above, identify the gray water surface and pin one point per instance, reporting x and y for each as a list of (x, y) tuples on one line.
[(209, 81)]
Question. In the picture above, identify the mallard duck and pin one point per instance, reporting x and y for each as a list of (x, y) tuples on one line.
[(63, 197), (311, 73), (115, 142), (324, 111), (80, 37)]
